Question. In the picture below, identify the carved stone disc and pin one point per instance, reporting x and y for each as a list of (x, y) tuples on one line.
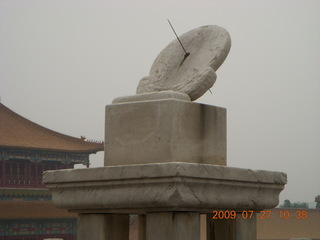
[(208, 47)]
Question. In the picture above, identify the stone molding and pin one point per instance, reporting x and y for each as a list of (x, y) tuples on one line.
[(163, 187)]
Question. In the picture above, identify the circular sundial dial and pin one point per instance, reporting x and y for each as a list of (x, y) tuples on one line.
[(188, 66)]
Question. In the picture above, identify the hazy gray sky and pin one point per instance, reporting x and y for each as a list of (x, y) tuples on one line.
[(62, 61)]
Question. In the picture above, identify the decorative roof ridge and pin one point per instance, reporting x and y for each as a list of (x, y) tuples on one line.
[(31, 123), (28, 122)]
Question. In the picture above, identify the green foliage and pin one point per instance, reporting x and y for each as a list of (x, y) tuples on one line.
[(317, 200), (288, 204), (300, 205)]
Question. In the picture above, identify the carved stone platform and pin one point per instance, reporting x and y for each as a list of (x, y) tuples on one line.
[(161, 192)]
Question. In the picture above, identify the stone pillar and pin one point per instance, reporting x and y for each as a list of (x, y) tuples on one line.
[(142, 227), (173, 226), (232, 229), (103, 227), (246, 229), (220, 229)]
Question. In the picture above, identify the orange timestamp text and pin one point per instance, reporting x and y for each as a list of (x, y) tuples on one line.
[(248, 214)]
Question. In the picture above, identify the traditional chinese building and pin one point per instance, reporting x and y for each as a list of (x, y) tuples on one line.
[(26, 150)]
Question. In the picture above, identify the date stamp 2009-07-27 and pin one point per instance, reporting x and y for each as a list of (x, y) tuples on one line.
[(266, 214)]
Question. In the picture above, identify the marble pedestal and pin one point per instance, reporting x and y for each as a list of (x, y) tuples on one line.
[(164, 160), (171, 195), (166, 130)]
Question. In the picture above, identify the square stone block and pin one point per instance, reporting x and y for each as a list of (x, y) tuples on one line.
[(167, 130)]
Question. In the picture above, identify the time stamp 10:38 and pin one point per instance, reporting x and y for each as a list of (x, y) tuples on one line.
[(248, 214)]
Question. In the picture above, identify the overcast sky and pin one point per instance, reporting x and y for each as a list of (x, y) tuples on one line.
[(62, 61)]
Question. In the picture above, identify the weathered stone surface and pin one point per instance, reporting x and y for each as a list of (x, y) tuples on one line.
[(232, 229), (163, 187), (194, 75), (152, 96), (164, 131), (246, 229), (173, 226), (141, 227), (103, 226)]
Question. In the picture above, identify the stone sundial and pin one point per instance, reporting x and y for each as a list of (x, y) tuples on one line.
[(165, 158), (189, 69)]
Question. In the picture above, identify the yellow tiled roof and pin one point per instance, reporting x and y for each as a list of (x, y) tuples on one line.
[(19, 132)]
